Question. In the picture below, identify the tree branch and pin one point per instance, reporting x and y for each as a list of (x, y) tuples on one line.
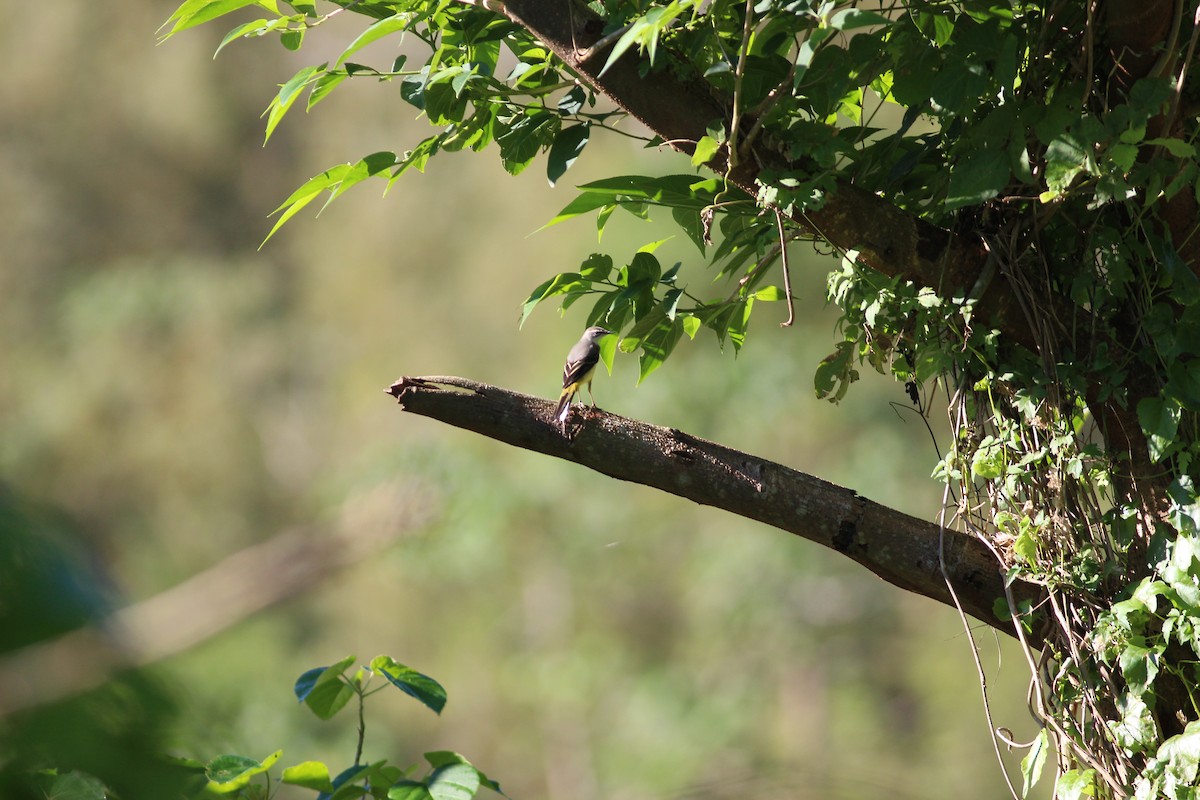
[(902, 550), (209, 602)]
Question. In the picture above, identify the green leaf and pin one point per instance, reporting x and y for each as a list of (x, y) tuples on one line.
[(76, 786), (657, 346), (560, 284), (454, 782), (521, 140), (288, 94), (850, 18), (256, 28), (1034, 762), (409, 790), (1159, 418), (596, 267), (580, 205), (1176, 147), (197, 12), (1180, 758), (1139, 665), (608, 351), (769, 294), (413, 683), (989, 459), (1076, 784), (691, 221), (229, 773), (375, 32), (292, 38), (309, 191), (979, 176), (442, 758), (691, 324), (309, 774), (323, 86), (706, 148), (323, 689), (568, 144), (645, 32), (1066, 157), (336, 180), (835, 373), (1025, 546)]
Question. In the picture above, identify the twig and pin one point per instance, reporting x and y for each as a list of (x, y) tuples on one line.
[(987, 708), (787, 276)]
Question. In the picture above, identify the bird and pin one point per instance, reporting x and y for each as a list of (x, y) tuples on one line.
[(579, 369)]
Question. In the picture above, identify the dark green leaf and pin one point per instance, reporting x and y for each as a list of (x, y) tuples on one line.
[(413, 683), (292, 38), (572, 101), (560, 284), (1159, 418), (692, 223), (76, 786), (568, 144), (596, 267), (835, 373), (643, 268), (323, 689), (657, 346), (977, 177), (849, 18)]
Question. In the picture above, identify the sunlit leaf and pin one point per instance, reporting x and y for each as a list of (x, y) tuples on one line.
[(309, 774), (375, 32), (197, 12), (229, 773), (288, 94), (1034, 761)]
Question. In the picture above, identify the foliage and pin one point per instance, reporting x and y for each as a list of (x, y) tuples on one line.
[(1015, 126), (325, 691)]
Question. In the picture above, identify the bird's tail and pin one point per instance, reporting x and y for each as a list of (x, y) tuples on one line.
[(564, 405)]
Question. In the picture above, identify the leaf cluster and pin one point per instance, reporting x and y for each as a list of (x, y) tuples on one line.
[(324, 691)]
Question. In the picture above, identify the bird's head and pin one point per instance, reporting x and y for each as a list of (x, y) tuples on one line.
[(596, 333)]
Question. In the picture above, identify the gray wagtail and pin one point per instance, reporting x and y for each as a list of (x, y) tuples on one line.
[(579, 370)]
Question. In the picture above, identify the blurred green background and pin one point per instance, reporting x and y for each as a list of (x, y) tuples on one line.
[(179, 395)]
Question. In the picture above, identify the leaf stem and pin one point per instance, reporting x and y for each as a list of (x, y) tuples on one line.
[(362, 725)]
